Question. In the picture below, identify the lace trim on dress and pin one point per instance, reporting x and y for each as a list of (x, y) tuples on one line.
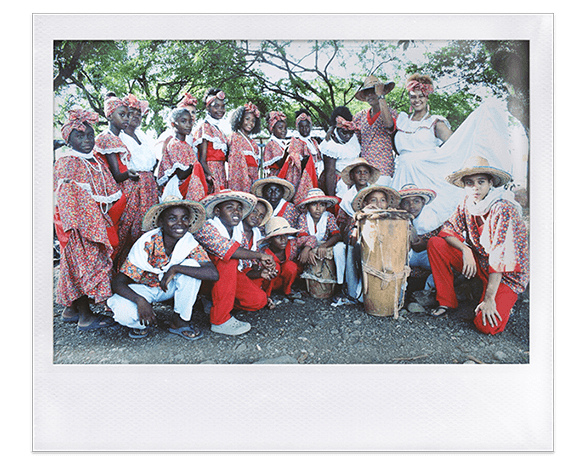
[(168, 173), (406, 125)]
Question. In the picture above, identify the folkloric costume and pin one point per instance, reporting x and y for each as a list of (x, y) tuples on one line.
[(147, 263), (425, 160), (373, 134), (180, 155), (88, 205), (243, 157), (300, 165), (495, 232), (284, 208), (233, 289), (274, 150), (217, 148)]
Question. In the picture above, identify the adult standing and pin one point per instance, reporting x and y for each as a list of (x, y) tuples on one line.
[(375, 127)]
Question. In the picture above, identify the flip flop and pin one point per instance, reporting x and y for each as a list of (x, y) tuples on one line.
[(96, 324), (136, 333), (73, 319), (440, 307), (191, 329)]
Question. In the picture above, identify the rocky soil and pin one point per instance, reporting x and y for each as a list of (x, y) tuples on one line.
[(306, 330)]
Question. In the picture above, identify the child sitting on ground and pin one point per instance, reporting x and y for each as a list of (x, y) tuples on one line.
[(316, 221), (166, 262), (279, 193), (423, 226), (283, 246)]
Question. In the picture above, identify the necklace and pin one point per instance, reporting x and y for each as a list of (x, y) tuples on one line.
[(97, 168)]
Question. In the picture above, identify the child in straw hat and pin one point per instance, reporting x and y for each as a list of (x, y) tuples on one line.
[(279, 193), (423, 225), (223, 237), (165, 262), (486, 238), (280, 242)]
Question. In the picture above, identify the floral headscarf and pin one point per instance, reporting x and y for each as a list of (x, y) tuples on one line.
[(302, 117), (342, 123), (111, 104), (274, 117), (187, 100), (132, 102), (251, 108), (426, 89), (220, 95), (76, 121)]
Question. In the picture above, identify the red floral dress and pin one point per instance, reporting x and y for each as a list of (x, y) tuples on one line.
[(376, 140), (179, 154), (243, 162), (216, 152), (302, 179), (274, 155), (88, 205)]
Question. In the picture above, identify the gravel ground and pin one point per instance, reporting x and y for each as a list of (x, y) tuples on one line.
[(306, 331)]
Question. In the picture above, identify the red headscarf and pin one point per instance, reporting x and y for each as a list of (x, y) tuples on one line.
[(111, 104), (302, 117), (187, 100), (251, 108), (131, 101), (426, 89), (342, 123), (220, 95), (274, 117)]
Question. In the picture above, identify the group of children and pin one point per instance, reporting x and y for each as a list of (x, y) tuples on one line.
[(206, 223)]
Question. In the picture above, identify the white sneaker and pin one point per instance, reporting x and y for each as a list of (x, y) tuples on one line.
[(232, 327)]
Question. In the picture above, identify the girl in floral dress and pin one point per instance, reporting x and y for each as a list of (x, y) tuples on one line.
[(275, 150), (303, 156), (243, 152), (110, 148), (88, 203), (211, 141), (180, 173)]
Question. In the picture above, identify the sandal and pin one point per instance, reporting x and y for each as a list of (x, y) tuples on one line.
[(442, 308), (197, 334), (96, 323), (137, 333)]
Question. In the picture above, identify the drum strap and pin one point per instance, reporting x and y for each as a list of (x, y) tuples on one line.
[(386, 278)]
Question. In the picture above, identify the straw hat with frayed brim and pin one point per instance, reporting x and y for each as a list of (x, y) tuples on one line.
[(197, 213), (210, 202), (370, 82), (278, 226), (393, 198), (269, 210), (288, 188), (316, 195), (345, 173), (479, 165), (410, 190)]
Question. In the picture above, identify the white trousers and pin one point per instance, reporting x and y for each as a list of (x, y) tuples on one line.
[(339, 251), (184, 289)]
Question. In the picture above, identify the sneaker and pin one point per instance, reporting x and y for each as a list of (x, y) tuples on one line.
[(232, 327)]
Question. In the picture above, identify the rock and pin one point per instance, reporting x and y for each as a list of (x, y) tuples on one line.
[(414, 307), (500, 356), (277, 360), (299, 301), (425, 298), (240, 347), (469, 362)]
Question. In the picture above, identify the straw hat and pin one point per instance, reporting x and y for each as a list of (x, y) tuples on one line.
[(411, 190), (315, 195), (197, 213), (370, 83), (269, 211), (479, 165), (393, 198), (278, 226), (259, 185), (345, 173), (247, 200)]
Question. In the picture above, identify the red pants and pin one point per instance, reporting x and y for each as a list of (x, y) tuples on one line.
[(287, 274), (443, 258), (233, 290)]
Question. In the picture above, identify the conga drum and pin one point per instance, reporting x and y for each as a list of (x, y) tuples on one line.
[(384, 238), (321, 278)]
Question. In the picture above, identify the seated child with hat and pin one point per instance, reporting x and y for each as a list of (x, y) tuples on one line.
[(223, 238), (281, 243), (423, 226), (486, 238), (165, 262), (316, 221), (279, 193), (372, 197)]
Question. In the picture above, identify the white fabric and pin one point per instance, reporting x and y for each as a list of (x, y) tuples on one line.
[(427, 221), (422, 162), (172, 188), (183, 288), (494, 194), (279, 207), (143, 156), (347, 200), (339, 255), (221, 125), (321, 227), (256, 237), (343, 153)]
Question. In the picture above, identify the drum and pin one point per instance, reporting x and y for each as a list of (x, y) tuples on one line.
[(321, 278), (384, 237)]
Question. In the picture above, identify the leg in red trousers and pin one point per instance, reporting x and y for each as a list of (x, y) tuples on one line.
[(233, 288), (443, 258)]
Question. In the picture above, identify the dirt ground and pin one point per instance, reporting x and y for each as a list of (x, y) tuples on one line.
[(306, 330)]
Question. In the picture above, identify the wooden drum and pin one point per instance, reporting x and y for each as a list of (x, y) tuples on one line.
[(384, 237), (321, 278)]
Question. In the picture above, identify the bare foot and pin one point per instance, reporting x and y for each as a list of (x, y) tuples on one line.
[(270, 304)]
